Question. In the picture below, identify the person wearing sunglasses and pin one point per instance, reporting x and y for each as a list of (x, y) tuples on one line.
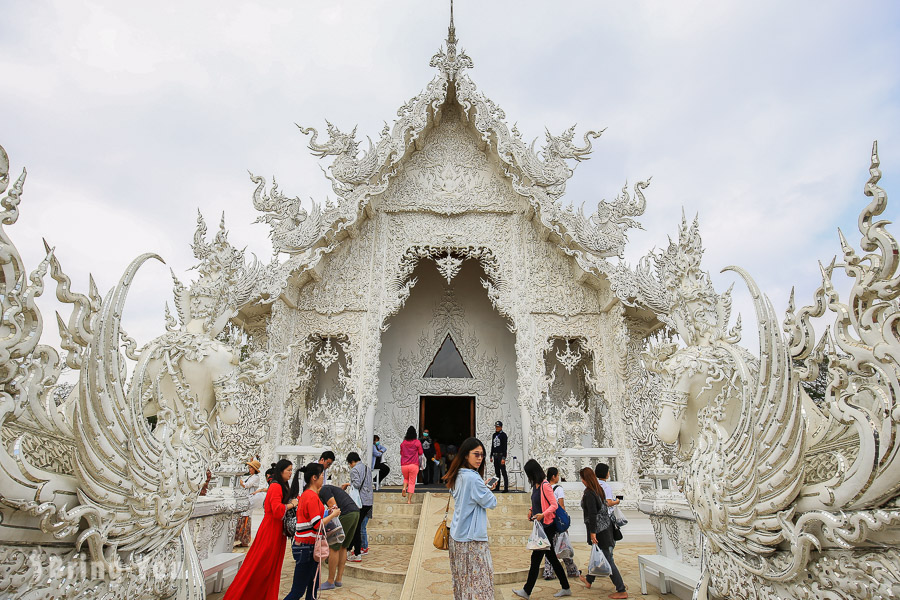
[(471, 567)]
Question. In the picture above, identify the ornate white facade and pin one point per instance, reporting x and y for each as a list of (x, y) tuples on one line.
[(450, 223)]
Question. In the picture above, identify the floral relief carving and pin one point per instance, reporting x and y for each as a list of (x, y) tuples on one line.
[(450, 175)]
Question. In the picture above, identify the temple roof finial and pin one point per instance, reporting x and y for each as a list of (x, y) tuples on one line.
[(451, 31), (451, 63)]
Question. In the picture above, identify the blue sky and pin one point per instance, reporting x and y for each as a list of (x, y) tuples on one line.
[(758, 116)]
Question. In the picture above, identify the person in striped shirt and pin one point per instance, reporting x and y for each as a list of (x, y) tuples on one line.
[(310, 516)]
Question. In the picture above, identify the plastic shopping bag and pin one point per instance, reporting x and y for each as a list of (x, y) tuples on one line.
[(562, 547), (538, 539), (598, 565), (619, 517), (334, 532)]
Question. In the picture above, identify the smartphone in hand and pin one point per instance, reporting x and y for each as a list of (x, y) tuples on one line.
[(491, 482)]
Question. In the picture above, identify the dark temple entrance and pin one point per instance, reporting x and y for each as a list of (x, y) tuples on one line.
[(449, 419)]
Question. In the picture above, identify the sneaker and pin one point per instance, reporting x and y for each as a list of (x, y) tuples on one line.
[(327, 586), (522, 594), (561, 593), (354, 558), (365, 551)]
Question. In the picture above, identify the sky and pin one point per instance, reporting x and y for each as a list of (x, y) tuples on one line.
[(131, 116)]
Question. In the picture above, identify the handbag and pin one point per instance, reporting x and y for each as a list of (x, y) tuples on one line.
[(321, 549), (442, 535), (289, 523), (617, 533)]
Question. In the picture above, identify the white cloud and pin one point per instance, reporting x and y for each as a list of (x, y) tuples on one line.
[(759, 116)]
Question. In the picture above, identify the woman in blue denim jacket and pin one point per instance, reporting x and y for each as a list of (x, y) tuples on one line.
[(471, 567)]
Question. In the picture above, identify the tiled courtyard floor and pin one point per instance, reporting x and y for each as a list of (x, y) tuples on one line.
[(397, 558)]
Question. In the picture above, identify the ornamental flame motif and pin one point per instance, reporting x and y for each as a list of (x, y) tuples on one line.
[(569, 359), (327, 354), (448, 266)]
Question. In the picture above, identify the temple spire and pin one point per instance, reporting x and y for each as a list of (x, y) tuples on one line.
[(451, 63), (451, 31)]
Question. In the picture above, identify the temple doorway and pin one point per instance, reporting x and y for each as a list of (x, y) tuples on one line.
[(448, 419)]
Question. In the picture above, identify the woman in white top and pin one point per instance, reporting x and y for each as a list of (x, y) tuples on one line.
[(251, 484), (560, 493)]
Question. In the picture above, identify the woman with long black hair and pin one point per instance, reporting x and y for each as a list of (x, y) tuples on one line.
[(599, 528), (260, 574), (410, 451), (543, 509), (471, 567), (310, 515)]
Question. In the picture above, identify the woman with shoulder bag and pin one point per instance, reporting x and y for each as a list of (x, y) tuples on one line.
[(260, 574), (599, 528), (568, 563), (543, 509), (310, 519), (471, 567)]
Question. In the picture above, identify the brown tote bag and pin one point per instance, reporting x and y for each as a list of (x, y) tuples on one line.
[(442, 537)]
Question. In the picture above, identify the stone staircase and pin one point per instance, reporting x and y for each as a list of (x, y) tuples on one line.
[(401, 534), (508, 524), (392, 532)]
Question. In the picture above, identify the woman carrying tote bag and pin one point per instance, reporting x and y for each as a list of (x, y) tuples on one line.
[(543, 509), (471, 567), (599, 528)]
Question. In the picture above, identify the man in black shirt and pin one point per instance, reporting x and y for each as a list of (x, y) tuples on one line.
[(428, 451), (498, 454), (334, 497)]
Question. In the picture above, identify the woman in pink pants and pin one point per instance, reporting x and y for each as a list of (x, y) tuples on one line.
[(410, 451)]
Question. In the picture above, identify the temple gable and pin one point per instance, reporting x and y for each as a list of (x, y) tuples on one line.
[(450, 175)]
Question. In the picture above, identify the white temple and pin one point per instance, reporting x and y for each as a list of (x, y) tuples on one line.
[(448, 287), (450, 231)]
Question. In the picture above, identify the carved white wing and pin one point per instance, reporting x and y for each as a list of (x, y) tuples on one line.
[(141, 484)]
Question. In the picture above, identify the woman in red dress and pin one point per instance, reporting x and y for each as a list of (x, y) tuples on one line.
[(260, 575)]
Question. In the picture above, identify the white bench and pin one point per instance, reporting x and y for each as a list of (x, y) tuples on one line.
[(216, 565), (668, 569)]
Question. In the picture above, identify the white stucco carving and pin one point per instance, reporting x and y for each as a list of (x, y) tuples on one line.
[(778, 517), (127, 488)]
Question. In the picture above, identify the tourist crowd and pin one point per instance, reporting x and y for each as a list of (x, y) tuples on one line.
[(326, 523)]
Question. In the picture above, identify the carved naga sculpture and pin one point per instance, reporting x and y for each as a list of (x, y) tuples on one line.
[(548, 168), (123, 500), (795, 498), (348, 168)]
